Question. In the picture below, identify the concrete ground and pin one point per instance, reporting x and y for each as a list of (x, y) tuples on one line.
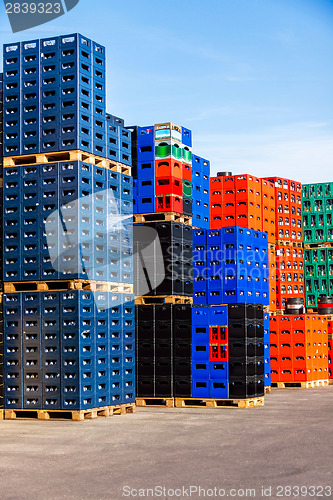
[(286, 443)]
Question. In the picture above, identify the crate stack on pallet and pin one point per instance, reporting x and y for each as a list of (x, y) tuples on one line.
[(289, 241), (67, 266), (170, 185), (298, 342), (299, 350), (230, 282), (330, 351), (318, 241), (249, 202)]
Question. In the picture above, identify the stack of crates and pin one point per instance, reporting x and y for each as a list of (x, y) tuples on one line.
[(317, 212), (68, 271), (330, 351), (201, 192), (228, 351), (55, 100), (318, 237), (243, 200), (210, 352), (166, 174), (248, 202), (163, 344), (289, 273), (170, 185), (299, 348), (230, 265), (289, 241), (175, 241)]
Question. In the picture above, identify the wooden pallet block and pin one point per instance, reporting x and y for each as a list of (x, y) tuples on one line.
[(2, 414), (76, 415), (44, 286), (155, 402), (268, 389), (218, 403), (163, 299), (75, 155), (162, 217)]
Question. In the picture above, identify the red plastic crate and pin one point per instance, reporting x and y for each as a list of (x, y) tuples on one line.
[(187, 172), (219, 352), (169, 168), (168, 185), (167, 203)]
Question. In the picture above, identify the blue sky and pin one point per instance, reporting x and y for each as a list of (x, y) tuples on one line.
[(253, 79)]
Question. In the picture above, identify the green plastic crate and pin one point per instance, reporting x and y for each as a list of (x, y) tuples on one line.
[(187, 155), (321, 270), (307, 236), (163, 150), (187, 189)]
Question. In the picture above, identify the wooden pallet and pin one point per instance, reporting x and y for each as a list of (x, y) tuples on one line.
[(216, 403), (301, 385), (76, 155), (268, 389), (162, 217), (271, 246), (167, 402), (327, 244), (287, 243), (329, 317), (277, 312), (163, 299), (78, 415), (44, 286), (266, 309)]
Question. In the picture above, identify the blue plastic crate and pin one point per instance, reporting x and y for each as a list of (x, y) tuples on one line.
[(200, 316), (200, 297), (200, 348), (200, 388), (219, 371), (215, 297), (219, 389), (218, 315), (200, 370)]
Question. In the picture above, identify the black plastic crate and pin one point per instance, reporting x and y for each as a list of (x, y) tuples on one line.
[(242, 311), (163, 387), (163, 367), (182, 387), (145, 314)]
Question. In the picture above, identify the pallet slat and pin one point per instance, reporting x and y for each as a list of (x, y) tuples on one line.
[(301, 385), (163, 299), (286, 243), (328, 244), (77, 415), (166, 402), (217, 403), (162, 217), (75, 155), (43, 286)]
